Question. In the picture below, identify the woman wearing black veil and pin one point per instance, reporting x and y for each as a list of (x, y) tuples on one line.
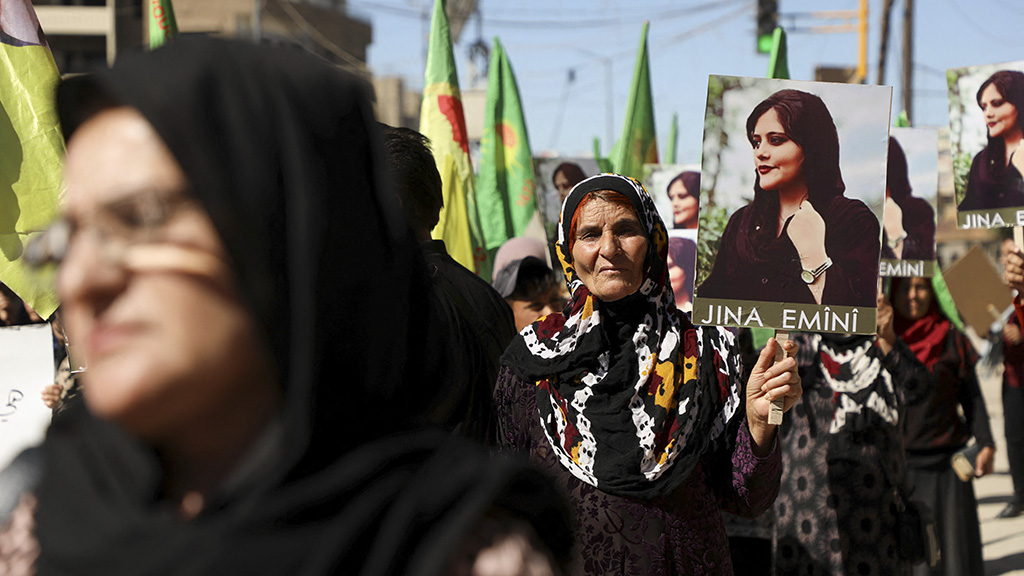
[(801, 240), (254, 380)]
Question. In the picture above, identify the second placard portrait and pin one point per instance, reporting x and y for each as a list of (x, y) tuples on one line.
[(792, 195)]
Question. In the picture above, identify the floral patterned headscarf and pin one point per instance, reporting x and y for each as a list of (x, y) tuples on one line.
[(629, 393)]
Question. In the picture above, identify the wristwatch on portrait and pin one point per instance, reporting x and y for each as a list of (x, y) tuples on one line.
[(894, 242), (809, 276)]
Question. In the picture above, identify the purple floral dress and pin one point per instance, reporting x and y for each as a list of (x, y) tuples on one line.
[(836, 511), (682, 533)]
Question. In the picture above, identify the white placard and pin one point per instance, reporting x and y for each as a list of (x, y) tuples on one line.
[(26, 366)]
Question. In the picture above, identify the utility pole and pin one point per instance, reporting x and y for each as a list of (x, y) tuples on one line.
[(853, 21), (908, 57), (883, 49), (862, 34), (609, 103)]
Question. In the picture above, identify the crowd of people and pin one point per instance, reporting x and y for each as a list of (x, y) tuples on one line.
[(287, 375)]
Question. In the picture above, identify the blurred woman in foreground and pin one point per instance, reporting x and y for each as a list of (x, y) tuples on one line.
[(249, 391)]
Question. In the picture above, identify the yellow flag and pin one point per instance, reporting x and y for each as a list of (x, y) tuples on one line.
[(31, 148), (443, 121)]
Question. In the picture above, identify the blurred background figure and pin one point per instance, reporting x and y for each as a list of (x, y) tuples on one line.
[(684, 192), (933, 363), (530, 288), (843, 463), (515, 249), (475, 324), (1013, 413), (1013, 397)]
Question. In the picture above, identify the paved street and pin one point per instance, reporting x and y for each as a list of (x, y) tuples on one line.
[(1003, 539)]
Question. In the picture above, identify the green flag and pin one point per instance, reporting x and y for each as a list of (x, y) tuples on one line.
[(945, 299), (31, 151), (673, 135), (506, 189), (162, 25), (778, 67), (603, 164), (638, 143), (444, 122), (901, 120)]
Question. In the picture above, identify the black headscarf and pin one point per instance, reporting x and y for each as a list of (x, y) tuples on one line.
[(281, 150)]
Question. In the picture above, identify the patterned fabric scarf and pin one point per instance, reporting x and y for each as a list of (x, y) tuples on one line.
[(851, 366), (629, 393)]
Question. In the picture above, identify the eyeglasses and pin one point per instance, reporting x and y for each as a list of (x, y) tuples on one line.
[(118, 225)]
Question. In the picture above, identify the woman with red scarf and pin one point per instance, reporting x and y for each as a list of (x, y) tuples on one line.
[(933, 363)]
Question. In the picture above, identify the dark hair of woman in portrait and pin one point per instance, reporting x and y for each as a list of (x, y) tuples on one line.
[(908, 231), (801, 240), (995, 179), (682, 257), (252, 308), (684, 193), (643, 418), (565, 176), (12, 308)]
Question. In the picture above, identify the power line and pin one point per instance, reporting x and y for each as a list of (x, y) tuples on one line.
[(560, 24), (322, 40), (977, 27)]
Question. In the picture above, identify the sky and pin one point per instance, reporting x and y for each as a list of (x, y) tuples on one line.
[(568, 54)]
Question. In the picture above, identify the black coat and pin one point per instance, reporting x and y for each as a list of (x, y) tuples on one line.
[(746, 269)]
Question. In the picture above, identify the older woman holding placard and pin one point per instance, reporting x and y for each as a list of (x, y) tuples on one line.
[(642, 417)]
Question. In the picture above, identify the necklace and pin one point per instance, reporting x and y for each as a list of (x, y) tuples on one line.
[(783, 218)]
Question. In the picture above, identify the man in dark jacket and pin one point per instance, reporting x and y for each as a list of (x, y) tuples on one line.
[(475, 321)]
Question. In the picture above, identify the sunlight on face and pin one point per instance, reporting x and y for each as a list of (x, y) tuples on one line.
[(778, 159), (609, 250), (169, 349), (1000, 115)]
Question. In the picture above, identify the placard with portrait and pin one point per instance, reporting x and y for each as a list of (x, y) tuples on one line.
[(911, 193), (985, 123), (555, 178), (792, 195)]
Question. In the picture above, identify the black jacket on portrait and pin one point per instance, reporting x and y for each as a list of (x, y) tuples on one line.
[(985, 192), (919, 224), (754, 265)]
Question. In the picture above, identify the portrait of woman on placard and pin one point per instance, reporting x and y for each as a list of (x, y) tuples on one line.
[(682, 255), (909, 224), (996, 180), (801, 240), (684, 193), (565, 176)]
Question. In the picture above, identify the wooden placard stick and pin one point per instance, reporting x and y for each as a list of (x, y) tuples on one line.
[(775, 411), (1018, 236)]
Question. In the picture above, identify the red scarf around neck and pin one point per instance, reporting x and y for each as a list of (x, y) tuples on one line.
[(924, 336)]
